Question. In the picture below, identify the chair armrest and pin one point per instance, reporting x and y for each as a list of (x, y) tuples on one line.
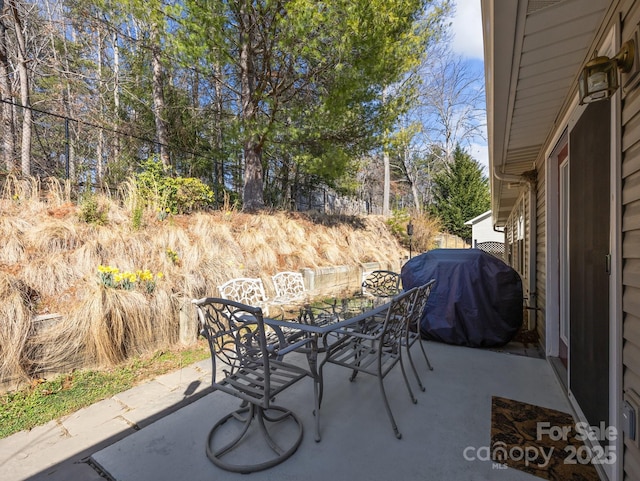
[(294, 346)]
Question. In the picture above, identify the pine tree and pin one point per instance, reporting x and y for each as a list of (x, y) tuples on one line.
[(461, 192)]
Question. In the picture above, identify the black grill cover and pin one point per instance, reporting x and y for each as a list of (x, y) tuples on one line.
[(476, 300)]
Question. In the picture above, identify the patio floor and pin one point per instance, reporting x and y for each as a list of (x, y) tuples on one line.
[(357, 441)]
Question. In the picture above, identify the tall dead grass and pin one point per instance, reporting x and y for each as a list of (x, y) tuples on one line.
[(49, 262), (16, 312), (12, 231), (113, 323), (425, 231)]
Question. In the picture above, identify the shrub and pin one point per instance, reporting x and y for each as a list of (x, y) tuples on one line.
[(91, 211), (171, 195), (136, 215), (425, 229)]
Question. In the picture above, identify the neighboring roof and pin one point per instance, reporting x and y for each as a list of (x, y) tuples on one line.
[(479, 218), (533, 53)]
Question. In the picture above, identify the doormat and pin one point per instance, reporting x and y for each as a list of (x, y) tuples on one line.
[(540, 441)]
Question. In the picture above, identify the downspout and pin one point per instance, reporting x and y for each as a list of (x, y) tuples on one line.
[(528, 178), (533, 256)]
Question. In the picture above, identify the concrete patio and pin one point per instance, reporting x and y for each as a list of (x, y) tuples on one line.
[(441, 433)]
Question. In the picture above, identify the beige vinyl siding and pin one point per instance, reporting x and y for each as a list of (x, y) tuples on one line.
[(541, 255), (518, 239), (631, 240)]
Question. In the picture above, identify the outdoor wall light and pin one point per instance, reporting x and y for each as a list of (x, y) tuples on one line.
[(599, 77)]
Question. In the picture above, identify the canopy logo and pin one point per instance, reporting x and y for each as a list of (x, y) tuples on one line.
[(595, 450)]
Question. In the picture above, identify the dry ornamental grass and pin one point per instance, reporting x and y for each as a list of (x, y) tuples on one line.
[(50, 260)]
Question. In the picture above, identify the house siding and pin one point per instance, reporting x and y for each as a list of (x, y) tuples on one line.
[(517, 235), (630, 169), (519, 222)]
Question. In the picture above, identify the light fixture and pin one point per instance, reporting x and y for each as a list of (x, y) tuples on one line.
[(410, 234), (599, 77)]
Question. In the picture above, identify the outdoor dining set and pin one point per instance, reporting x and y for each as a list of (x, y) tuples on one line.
[(257, 354)]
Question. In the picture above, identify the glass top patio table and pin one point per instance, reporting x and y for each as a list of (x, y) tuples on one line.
[(314, 331), (337, 324)]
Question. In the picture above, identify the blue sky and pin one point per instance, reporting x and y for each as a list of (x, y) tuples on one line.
[(467, 42)]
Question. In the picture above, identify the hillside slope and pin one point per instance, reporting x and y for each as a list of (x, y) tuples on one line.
[(53, 262)]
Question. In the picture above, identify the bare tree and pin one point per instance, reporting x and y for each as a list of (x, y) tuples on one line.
[(64, 71), (386, 190), (158, 95), (449, 113), (7, 135), (451, 105), (115, 44), (25, 92)]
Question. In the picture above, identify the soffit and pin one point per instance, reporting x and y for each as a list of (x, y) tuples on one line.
[(534, 50)]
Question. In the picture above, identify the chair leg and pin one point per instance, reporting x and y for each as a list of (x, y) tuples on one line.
[(316, 374), (424, 353), (411, 363), (317, 387), (245, 416), (414, 400), (321, 387), (388, 408)]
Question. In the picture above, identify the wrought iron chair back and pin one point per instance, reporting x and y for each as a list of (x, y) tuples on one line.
[(375, 347), (421, 299), (381, 284), (251, 372), (246, 290), (236, 336), (412, 330), (289, 287)]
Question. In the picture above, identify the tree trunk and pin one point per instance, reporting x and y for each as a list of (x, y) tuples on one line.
[(24, 93), (218, 172), (7, 137), (116, 96), (67, 93), (253, 193), (411, 177), (158, 97), (100, 146), (386, 189)]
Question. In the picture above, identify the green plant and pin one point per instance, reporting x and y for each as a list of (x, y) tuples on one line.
[(460, 193), (91, 211), (136, 215), (114, 278), (191, 194), (398, 225), (171, 194), (425, 228), (173, 256)]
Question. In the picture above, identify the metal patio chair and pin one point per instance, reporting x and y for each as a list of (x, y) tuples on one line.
[(246, 290), (375, 347), (236, 336), (381, 286), (412, 329), (289, 287)]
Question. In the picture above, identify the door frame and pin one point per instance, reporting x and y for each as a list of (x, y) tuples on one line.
[(563, 263), (609, 46)]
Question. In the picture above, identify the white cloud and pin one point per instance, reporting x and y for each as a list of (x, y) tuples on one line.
[(467, 29)]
